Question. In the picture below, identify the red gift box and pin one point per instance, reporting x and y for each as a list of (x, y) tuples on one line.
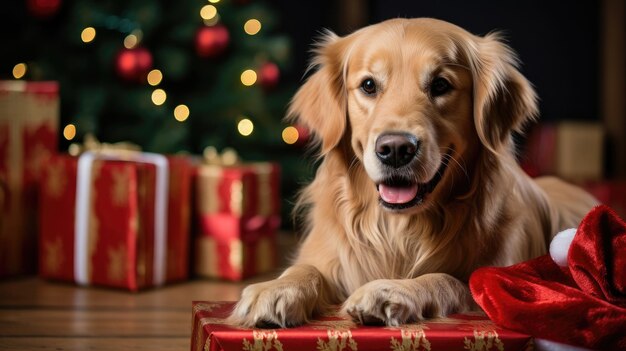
[(238, 215), (571, 150), (610, 192), (335, 332), (29, 118), (128, 227)]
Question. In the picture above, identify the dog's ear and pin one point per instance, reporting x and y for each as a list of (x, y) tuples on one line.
[(320, 104), (504, 100)]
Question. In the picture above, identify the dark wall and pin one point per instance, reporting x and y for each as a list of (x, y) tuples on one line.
[(557, 41)]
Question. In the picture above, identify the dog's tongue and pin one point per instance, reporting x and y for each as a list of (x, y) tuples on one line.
[(397, 195)]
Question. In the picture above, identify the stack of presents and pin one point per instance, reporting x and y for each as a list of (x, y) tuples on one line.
[(115, 217), (574, 151)]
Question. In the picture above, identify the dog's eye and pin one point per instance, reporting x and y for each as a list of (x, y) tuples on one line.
[(439, 86), (369, 86)]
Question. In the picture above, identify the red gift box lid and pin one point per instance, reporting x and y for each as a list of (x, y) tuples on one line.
[(335, 332)]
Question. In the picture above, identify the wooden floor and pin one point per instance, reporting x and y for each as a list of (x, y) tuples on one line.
[(40, 315)]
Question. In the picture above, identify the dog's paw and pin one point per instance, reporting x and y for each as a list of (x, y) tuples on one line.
[(275, 303), (381, 302), (400, 301)]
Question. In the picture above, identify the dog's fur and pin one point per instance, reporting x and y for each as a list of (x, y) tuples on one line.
[(389, 264)]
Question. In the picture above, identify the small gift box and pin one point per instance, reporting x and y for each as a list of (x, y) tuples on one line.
[(571, 150), (29, 119), (238, 210), (609, 192), (336, 332), (118, 219)]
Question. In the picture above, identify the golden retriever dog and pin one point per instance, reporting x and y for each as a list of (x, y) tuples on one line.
[(418, 184)]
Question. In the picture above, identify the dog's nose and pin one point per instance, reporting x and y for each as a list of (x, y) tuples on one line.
[(396, 149)]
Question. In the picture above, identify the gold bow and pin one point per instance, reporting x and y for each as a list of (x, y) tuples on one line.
[(228, 157), (91, 143)]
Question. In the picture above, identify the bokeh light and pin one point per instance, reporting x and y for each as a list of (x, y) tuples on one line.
[(245, 127), (88, 35), (252, 26), (69, 132), (155, 77), (181, 113), (248, 77), (208, 12), (19, 70), (158, 97), (290, 135)]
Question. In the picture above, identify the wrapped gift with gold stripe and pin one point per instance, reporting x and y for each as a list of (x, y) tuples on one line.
[(475, 331), (238, 209), (29, 119), (117, 219)]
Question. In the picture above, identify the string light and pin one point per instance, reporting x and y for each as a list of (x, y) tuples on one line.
[(181, 113), (245, 127), (19, 70), (133, 39), (69, 132), (158, 97), (252, 26), (88, 34), (155, 77), (290, 135), (248, 77), (207, 12), (130, 41), (214, 1)]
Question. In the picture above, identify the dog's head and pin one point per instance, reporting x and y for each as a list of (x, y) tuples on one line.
[(414, 98)]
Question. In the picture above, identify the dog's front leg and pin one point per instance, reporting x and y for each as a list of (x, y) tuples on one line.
[(287, 301), (398, 301)]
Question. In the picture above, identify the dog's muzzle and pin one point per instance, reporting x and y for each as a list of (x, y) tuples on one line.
[(399, 190)]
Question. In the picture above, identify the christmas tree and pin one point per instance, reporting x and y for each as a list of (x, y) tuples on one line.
[(170, 76)]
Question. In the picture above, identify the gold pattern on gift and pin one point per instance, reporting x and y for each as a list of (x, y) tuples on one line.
[(413, 338), (207, 263), (338, 340), (121, 186), (206, 306), (53, 255), (207, 184), (116, 266), (485, 337), (338, 334), (264, 172), (40, 153), (55, 181), (263, 340), (237, 198), (235, 258)]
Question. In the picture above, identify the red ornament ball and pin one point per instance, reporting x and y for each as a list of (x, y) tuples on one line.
[(43, 8), (269, 75), (304, 135), (212, 41), (133, 65)]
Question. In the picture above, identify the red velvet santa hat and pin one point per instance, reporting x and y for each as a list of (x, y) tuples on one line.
[(583, 304)]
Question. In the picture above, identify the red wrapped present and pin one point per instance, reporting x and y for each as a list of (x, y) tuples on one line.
[(29, 119), (118, 220), (335, 332), (609, 192), (238, 215), (570, 150)]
